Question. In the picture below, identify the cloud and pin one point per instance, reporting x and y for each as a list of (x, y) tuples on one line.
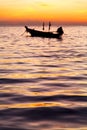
[(42, 4)]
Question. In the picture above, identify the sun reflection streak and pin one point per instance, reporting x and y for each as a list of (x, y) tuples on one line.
[(65, 104)]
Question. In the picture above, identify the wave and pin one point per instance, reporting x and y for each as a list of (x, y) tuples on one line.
[(48, 113)]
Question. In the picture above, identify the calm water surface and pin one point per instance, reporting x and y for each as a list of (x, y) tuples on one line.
[(43, 82)]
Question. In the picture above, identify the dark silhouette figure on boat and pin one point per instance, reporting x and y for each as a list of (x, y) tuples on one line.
[(43, 25), (60, 30)]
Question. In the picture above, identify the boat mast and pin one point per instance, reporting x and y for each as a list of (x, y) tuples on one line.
[(49, 25)]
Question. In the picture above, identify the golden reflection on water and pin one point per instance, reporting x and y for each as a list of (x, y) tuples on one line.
[(65, 104), (40, 75), (25, 91)]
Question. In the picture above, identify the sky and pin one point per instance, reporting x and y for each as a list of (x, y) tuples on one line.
[(37, 11)]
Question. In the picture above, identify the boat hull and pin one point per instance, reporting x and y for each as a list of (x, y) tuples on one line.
[(36, 33)]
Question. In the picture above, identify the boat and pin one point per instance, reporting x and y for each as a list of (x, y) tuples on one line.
[(44, 34)]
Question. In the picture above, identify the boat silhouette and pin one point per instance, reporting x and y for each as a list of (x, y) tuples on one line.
[(36, 33)]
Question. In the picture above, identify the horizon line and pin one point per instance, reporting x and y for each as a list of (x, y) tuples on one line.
[(40, 23)]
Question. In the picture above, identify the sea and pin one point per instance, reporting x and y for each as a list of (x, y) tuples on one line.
[(43, 81)]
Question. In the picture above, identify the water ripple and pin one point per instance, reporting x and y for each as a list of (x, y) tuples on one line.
[(13, 81), (49, 98), (61, 114)]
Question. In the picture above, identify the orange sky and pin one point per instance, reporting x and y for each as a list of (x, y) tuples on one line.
[(36, 11)]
